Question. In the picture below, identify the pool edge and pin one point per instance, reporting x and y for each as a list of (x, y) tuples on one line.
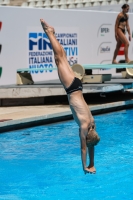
[(61, 116)]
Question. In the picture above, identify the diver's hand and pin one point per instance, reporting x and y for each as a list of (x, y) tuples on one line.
[(86, 170), (90, 170)]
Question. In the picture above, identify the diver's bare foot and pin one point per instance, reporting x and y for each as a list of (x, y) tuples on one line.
[(114, 62), (46, 27), (127, 61)]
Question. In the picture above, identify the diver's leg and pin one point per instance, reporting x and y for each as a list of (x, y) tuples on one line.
[(118, 45), (65, 72), (126, 44)]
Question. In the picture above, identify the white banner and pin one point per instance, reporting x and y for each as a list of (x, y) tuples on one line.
[(87, 37)]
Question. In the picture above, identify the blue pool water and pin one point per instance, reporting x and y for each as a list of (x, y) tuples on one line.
[(43, 163)]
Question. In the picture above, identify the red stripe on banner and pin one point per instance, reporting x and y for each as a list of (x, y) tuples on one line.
[(121, 50), (0, 25)]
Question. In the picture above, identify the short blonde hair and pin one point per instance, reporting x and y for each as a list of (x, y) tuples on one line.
[(92, 137)]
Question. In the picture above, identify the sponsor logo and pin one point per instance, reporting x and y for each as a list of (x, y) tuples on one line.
[(103, 29), (69, 41), (38, 41), (104, 47), (121, 50), (72, 61), (40, 52)]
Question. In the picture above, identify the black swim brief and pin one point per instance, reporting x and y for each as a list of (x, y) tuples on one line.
[(75, 86), (123, 30)]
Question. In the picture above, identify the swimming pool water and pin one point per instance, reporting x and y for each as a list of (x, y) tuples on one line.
[(43, 163)]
